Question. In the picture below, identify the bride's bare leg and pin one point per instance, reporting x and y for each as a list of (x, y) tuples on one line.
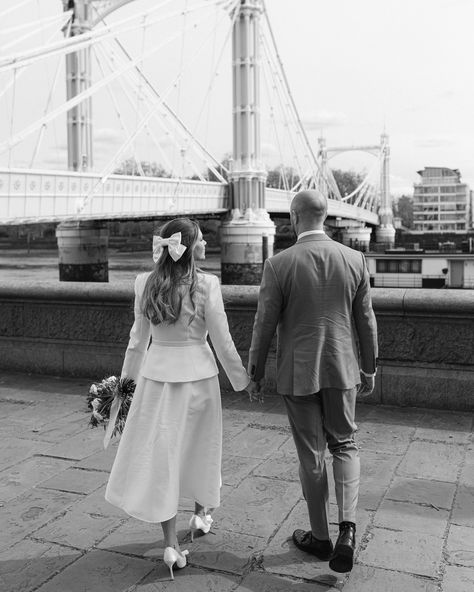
[(169, 533)]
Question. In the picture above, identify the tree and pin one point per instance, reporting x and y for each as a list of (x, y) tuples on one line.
[(347, 181), (276, 177), (151, 169), (403, 208)]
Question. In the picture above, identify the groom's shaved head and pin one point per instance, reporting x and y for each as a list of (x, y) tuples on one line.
[(310, 205)]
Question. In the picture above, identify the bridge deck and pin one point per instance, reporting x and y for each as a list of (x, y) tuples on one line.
[(55, 196)]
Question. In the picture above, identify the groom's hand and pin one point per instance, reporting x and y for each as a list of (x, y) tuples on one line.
[(367, 385), (255, 390)]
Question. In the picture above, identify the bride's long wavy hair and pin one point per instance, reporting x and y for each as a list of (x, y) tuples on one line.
[(165, 287)]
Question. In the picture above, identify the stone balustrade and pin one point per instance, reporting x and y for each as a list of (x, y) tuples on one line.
[(426, 337)]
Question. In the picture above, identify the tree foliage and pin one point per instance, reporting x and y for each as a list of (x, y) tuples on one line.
[(347, 181), (276, 177), (151, 169), (403, 208)]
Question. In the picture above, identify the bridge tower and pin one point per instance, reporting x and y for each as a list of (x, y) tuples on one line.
[(247, 235), (78, 79), (385, 233)]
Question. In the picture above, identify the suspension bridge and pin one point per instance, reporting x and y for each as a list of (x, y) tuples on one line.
[(133, 74)]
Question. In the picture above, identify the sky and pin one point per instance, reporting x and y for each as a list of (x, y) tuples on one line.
[(355, 69)]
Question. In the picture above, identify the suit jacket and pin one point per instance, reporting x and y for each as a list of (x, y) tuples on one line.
[(316, 294), (179, 352)]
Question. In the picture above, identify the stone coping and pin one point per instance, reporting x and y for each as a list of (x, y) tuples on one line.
[(401, 300)]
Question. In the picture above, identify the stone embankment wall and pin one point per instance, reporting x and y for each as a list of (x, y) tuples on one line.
[(426, 337)]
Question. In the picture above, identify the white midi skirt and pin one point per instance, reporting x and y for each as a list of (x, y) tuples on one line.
[(170, 449)]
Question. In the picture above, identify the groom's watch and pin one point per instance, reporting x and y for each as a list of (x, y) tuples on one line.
[(369, 375)]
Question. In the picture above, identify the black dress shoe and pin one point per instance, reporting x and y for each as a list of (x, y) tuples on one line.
[(343, 556), (305, 541)]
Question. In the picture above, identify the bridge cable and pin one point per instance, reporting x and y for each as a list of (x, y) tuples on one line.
[(285, 80)]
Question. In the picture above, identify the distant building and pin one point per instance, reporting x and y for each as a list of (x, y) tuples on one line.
[(399, 268), (441, 202)]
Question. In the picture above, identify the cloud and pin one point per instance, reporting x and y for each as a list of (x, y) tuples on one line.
[(269, 150), (322, 119), (433, 142), (107, 136)]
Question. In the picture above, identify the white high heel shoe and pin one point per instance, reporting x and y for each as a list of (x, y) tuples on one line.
[(200, 523), (172, 557)]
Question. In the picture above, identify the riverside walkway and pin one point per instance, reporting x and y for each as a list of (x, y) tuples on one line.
[(415, 527)]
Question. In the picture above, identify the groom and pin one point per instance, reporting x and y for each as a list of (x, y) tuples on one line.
[(316, 295)]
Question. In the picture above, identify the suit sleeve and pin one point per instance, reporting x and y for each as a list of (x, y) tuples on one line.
[(218, 328), (365, 322), (270, 303), (139, 336)]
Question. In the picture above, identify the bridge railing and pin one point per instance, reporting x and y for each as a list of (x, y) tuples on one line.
[(425, 336), (28, 195)]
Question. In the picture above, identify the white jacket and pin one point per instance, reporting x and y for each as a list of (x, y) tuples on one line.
[(180, 352)]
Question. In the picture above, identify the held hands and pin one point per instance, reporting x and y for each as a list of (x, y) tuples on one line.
[(367, 385), (255, 390)]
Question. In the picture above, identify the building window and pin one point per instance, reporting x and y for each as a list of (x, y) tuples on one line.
[(398, 265)]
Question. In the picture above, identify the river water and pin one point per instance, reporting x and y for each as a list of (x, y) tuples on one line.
[(42, 265)]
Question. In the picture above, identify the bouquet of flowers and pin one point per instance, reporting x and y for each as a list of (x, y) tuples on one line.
[(110, 401)]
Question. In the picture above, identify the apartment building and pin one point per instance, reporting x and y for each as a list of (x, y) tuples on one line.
[(441, 202)]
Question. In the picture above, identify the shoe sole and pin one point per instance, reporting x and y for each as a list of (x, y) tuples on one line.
[(343, 559)]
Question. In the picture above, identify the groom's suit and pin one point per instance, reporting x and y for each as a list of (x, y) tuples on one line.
[(316, 295)]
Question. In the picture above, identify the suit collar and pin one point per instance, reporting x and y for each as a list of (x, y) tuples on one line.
[(313, 237)]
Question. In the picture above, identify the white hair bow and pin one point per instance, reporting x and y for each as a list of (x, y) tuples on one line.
[(175, 248)]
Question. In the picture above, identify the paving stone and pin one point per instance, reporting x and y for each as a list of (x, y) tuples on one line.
[(68, 426), (263, 582), (397, 416), (376, 472), (15, 450), (76, 481), (236, 468), (283, 558), (408, 517), (95, 503), (143, 539), (427, 460), (77, 529), (282, 465), (409, 552), (189, 579), (99, 571), (458, 579), (460, 545), (445, 426), (28, 564), (467, 475), (26, 474), (10, 408), (422, 491), (26, 513), (79, 446), (463, 510), (386, 438), (255, 443), (372, 579), (101, 461), (258, 505), (224, 551)]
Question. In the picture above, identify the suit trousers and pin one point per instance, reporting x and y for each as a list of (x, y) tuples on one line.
[(319, 420)]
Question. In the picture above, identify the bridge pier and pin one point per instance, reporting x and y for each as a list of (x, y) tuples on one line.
[(246, 240), (247, 236), (357, 237), (82, 249)]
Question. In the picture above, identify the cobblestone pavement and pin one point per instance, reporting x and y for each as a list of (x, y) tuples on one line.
[(415, 523)]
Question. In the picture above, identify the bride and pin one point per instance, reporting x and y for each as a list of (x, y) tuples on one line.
[(171, 445)]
